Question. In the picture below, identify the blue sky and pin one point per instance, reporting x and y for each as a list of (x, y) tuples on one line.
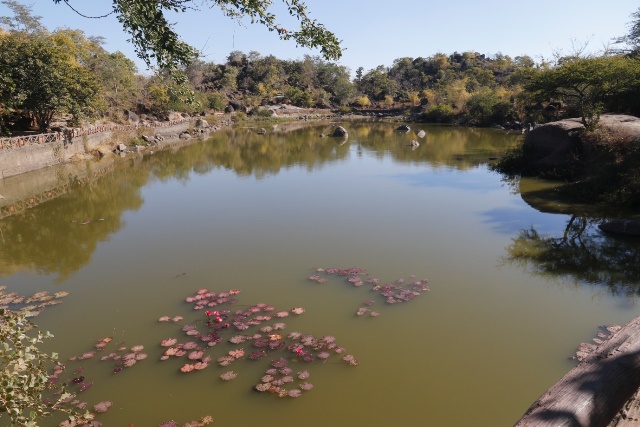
[(375, 32)]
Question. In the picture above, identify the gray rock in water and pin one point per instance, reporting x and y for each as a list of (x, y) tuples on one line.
[(340, 132), (421, 134), (621, 226), (403, 128), (262, 131)]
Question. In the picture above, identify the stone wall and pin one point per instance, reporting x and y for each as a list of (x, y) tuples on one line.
[(33, 157)]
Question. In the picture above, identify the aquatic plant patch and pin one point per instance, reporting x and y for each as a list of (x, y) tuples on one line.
[(398, 291), (30, 305), (219, 333)]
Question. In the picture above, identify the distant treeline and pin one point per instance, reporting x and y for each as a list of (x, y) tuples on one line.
[(45, 74)]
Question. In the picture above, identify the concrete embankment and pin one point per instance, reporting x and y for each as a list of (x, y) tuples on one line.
[(31, 157), (35, 173)]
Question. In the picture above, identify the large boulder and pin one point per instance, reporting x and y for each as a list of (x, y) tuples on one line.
[(202, 123), (132, 117), (549, 148), (622, 125)]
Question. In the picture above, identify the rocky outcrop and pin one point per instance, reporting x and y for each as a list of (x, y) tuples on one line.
[(551, 148), (403, 128)]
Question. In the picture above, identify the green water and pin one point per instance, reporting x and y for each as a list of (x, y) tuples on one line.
[(260, 213)]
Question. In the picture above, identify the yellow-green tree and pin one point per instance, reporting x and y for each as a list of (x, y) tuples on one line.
[(586, 83)]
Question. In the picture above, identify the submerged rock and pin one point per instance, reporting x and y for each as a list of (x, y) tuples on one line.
[(623, 227), (340, 132)]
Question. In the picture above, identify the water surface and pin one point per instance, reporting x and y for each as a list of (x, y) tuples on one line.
[(261, 213)]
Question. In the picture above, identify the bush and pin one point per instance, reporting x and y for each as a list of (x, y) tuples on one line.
[(511, 163), (261, 112), (480, 107), (215, 101), (24, 373), (441, 113), (364, 101), (343, 109)]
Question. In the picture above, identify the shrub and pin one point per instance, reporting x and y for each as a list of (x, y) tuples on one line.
[(441, 113), (364, 101), (343, 109), (261, 112), (23, 372), (216, 101)]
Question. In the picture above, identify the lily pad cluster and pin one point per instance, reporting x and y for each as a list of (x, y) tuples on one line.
[(226, 337), (395, 292), (123, 356), (200, 422), (31, 305), (77, 381), (585, 350)]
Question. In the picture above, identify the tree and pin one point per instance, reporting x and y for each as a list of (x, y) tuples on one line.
[(22, 19), (586, 83), (632, 38), (376, 84), (156, 41), (45, 73), (46, 81), (117, 75)]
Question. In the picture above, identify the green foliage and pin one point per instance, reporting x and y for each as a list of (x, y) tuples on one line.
[(377, 83), (116, 75), (261, 112), (23, 372), (480, 107), (22, 19), (156, 41), (216, 101), (364, 101), (299, 97), (485, 108), (632, 38), (440, 113), (343, 109), (46, 79), (512, 163), (585, 83)]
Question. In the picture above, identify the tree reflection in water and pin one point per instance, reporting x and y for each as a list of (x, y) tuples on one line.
[(583, 253)]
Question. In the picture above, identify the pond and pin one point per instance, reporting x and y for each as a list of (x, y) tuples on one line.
[(514, 285)]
